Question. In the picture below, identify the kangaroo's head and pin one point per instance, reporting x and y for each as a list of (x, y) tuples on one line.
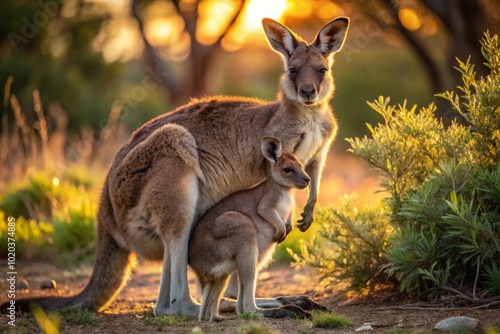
[(308, 79), (286, 170)]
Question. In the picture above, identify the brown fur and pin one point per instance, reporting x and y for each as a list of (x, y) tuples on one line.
[(239, 233), (179, 164)]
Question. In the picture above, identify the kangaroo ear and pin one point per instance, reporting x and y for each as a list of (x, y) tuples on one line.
[(332, 36), (271, 148), (279, 37)]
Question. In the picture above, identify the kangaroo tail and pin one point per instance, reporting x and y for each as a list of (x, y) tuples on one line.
[(112, 269)]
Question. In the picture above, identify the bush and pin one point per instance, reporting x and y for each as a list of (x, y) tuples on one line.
[(31, 237), (350, 246), (33, 197), (442, 215), (53, 217), (74, 233)]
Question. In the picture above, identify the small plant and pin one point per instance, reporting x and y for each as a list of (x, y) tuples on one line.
[(248, 316), (255, 328), (78, 317), (329, 320), (165, 321)]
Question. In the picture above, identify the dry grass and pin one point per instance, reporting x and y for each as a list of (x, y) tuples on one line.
[(45, 143)]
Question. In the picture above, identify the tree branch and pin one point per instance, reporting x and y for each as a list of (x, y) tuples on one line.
[(155, 66)]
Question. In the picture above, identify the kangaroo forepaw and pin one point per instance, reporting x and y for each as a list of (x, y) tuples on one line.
[(306, 221), (287, 311), (304, 302)]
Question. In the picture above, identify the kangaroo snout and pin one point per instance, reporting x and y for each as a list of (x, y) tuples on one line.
[(308, 93), (304, 182)]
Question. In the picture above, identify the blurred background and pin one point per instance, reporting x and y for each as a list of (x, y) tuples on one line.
[(79, 76)]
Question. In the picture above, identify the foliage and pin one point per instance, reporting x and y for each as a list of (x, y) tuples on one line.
[(31, 237), (350, 245), (74, 235), (78, 317), (408, 147), (33, 197), (442, 213), (57, 214), (248, 316), (255, 328), (51, 46), (164, 321), (329, 320), (54, 204), (449, 233)]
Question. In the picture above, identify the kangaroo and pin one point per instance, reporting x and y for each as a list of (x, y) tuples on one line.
[(240, 232), (178, 165)]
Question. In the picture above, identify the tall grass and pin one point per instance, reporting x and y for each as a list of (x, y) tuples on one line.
[(49, 178)]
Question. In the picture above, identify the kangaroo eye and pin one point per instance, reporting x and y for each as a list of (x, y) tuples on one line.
[(292, 71), (287, 170), (323, 70)]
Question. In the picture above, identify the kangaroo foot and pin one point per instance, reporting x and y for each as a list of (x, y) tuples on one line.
[(304, 302), (162, 311), (287, 311), (188, 309)]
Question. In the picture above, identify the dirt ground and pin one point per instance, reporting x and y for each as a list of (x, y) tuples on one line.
[(132, 310)]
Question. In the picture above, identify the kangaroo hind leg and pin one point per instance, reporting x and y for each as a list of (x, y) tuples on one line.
[(212, 293), (173, 202)]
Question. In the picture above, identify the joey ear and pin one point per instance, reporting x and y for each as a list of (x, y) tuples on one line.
[(279, 37), (271, 148), (332, 36)]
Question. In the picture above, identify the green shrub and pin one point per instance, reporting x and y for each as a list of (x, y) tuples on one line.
[(53, 216), (74, 232), (31, 237), (450, 222), (350, 246), (442, 213), (34, 197)]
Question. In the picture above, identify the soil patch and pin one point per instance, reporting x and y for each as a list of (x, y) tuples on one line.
[(132, 312)]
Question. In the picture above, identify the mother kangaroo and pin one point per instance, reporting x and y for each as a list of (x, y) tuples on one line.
[(181, 163)]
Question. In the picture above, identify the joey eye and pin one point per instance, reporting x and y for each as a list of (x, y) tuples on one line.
[(287, 170)]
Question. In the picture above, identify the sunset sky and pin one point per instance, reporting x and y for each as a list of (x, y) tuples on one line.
[(164, 28)]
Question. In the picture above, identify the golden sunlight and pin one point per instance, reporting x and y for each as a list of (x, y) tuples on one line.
[(256, 10), (249, 23), (409, 19), (214, 16)]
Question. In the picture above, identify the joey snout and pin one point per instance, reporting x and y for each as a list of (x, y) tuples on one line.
[(303, 183)]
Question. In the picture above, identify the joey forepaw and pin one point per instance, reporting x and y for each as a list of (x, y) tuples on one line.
[(280, 234)]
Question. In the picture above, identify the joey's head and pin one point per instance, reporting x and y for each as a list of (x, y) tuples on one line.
[(307, 79), (286, 169)]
